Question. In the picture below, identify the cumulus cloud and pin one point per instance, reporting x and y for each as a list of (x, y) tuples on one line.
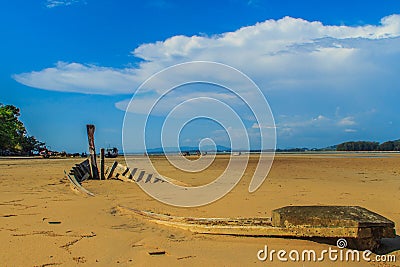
[(265, 39), (80, 78), (314, 63), (288, 53)]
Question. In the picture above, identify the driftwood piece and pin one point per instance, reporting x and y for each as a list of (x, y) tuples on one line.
[(157, 252)]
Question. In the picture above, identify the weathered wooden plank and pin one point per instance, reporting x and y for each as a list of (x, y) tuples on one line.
[(149, 178), (86, 176), (92, 150), (125, 171), (328, 216), (77, 185), (120, 168), (106, 172), (102, 177), (110, 174), (140, 177), (77, 173), (85, 165), (156, 180), (80, 170), (133, 172)]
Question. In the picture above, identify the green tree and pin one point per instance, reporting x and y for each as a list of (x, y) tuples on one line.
[(387, 146), (13, 134), (358, 146), (390, 146)]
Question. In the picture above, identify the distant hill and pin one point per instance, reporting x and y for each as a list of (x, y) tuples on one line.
[(160, 150), (346, 146)]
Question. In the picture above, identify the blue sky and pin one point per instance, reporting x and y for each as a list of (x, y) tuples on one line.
[(329, 69)]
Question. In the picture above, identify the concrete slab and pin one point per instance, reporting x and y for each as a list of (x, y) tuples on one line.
[(328, 216)]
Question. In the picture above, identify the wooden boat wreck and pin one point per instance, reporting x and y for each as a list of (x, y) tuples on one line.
[(362, 229), (83, 171)]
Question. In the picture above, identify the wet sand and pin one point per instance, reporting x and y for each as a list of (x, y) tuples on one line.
[(44, 223)]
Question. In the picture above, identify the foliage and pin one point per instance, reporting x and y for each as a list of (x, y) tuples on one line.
[(13, 134), (369, 146), (390, 146)]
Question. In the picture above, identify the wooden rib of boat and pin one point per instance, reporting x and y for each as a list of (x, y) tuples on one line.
[(77, 185)]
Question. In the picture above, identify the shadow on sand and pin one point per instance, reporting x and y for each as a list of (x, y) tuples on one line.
[(388, 245)]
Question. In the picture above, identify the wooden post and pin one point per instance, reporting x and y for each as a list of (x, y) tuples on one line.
[(92, 150), (102, 164)]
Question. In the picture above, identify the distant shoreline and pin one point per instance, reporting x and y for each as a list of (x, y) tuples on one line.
[(366, 153)]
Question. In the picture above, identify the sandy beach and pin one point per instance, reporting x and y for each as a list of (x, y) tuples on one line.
[(43, 222)]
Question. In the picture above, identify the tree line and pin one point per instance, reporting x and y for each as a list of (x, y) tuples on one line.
[(14, 139), (369, 146)]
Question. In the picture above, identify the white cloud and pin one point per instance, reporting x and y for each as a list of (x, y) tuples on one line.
[(347, 121), (278, 54), (288, 125), (323, 65), (186, 105), (319, 118), (56, 3), (75, 77), (259, 126), (301, 122)]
